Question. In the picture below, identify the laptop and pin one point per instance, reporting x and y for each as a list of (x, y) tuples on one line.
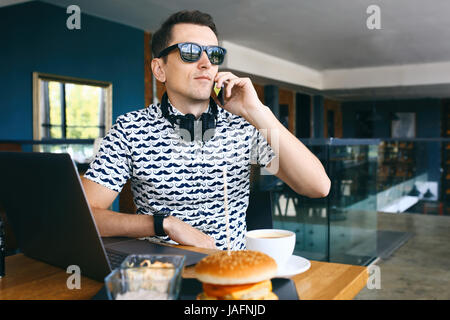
[(51, 219)]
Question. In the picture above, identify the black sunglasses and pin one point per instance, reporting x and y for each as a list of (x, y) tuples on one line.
[(191, 52)]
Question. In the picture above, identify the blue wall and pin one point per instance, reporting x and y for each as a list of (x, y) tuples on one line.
[(34, 37)]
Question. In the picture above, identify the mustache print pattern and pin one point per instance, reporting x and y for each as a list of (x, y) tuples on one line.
[(187, 178)]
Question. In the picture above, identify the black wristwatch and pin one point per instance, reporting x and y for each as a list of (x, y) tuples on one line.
[(158, 218)]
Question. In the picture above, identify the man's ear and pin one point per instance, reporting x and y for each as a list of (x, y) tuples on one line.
[(158, 70)]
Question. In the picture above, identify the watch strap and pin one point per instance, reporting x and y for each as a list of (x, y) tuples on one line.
[(158, 219)]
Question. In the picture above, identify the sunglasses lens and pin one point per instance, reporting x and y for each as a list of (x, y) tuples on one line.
[(216, 55), (190, 52)]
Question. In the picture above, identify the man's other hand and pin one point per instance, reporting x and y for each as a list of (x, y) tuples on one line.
[(184, 234)]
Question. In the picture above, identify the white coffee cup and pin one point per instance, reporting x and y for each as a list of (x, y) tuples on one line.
[(277, 243)]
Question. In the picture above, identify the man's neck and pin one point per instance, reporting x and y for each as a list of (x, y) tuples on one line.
[(186, 105)]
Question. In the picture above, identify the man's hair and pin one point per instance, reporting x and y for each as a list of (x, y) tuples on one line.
[(161, 38)]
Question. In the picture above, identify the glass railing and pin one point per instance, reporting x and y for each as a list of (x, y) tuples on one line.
[(341, 227), (414, 175), (352, 201), (368, 176)]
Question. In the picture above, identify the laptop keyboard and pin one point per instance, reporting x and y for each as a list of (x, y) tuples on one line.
[(115, 258)]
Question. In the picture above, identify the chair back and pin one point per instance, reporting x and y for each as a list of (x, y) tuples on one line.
[(10, 239), (259, 211)]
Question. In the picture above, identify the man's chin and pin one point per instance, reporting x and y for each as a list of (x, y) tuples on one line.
[(203, 96)]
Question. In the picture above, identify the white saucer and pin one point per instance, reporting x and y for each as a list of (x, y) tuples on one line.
[(293, 266)]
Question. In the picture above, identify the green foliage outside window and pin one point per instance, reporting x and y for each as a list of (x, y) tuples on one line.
[(83, 107)]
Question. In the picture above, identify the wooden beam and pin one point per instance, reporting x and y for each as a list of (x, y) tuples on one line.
[(147, 68)]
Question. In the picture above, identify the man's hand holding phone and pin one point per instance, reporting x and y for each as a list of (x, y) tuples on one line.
[(239, 95)]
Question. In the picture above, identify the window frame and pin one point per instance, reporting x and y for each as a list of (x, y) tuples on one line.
[(38, 99)]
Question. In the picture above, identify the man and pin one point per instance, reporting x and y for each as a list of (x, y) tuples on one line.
[(186, 178)]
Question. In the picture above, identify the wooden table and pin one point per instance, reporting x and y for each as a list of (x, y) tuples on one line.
[(29, 279)]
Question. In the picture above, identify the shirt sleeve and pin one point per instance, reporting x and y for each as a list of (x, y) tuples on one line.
[(261, 151), (111, 166)]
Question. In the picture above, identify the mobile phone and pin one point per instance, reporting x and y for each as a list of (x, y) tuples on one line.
[(219, 94)]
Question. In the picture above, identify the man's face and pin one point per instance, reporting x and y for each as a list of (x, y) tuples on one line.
[(192, 80)]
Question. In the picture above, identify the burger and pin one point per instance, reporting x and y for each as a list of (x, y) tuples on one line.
[(236, 275)]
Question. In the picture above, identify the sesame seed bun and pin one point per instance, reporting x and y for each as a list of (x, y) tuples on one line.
[(238, 267)]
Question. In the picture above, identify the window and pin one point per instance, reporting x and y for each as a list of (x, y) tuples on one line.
[(69, 108)]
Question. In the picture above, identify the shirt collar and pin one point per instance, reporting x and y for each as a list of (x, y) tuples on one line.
[(222, 115)]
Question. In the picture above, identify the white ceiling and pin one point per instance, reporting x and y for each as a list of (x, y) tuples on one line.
[(4, 3), (321, 34), (318, 34)]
